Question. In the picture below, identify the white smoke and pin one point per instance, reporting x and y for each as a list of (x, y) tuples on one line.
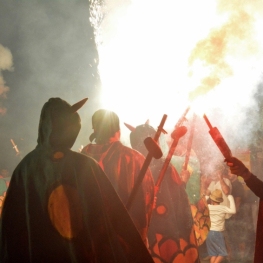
[(157, 57), (6, 63)]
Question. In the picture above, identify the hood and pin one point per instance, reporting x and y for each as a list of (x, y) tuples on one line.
[(138, 135), (105, 124), (59, 124)]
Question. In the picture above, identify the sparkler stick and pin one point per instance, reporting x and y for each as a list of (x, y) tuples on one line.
[(15, 147), (218, 139), (176, 135), (189, 144), (178, 132), (146, 163), (182, 119)]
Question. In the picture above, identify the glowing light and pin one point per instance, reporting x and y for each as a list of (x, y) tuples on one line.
[(157, 57)]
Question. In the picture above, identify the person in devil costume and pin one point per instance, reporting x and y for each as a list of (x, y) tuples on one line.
[(60, 206), (238, 168), (171, 232), (122, 165)]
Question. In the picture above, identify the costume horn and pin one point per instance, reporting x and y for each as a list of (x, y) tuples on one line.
[(75, 107), (131, 128), (147, 122)]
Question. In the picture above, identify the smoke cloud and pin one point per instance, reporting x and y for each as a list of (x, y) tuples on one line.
[(159, 58), (54, 55), (231, 56), (6, 63), (235, 38), (144, 59)]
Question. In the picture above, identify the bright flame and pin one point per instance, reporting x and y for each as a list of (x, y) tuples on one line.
[(157, 57)]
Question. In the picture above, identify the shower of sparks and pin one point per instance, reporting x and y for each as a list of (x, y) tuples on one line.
[(157, 57)]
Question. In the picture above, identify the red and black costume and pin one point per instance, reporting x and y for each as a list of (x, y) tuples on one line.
[(122, 166), (60, 207), (171, 232), (256, 186)]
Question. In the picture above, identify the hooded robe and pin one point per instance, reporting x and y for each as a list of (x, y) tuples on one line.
[(122, 166), (256, 186), (171, 232), (61, 207)]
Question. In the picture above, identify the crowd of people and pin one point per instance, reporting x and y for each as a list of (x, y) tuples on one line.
[(67, 206)]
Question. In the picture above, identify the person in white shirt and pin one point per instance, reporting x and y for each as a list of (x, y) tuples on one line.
[(215, 241), (219, 181)]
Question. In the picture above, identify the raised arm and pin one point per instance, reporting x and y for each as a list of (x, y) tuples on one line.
[(232, 207), (225, 188)]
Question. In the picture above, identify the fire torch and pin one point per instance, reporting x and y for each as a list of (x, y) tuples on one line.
[(153, 151), (179, 131), (218, 139)]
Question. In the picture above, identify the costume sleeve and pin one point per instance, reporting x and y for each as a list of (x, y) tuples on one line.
[(255, 185)]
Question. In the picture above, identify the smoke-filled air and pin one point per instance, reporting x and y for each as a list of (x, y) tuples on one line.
[(6, 63), (142, 59), (160, 57)]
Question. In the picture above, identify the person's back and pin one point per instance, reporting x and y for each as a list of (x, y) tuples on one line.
[(218, 214), (215, 242), (122, 165), (60, 206), (171, 221)]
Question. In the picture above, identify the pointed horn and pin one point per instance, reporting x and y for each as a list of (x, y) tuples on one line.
[(131, 128), (147, 122), (75, 107)]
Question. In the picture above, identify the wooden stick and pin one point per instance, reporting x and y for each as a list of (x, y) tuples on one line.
[(145, 165)]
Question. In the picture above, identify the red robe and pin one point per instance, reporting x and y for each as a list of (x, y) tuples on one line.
[(171, 233), (122, 166)]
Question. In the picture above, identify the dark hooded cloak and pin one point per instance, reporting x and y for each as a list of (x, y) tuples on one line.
[(61, 207), (171, 231)]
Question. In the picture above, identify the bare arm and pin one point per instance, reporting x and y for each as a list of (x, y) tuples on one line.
[(224, 186), (232, 209)]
